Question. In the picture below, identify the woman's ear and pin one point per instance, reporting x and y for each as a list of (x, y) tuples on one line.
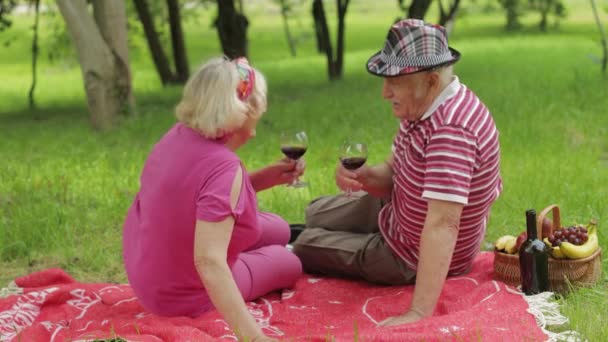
[(252, 112)]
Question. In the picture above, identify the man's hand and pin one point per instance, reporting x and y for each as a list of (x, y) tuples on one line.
[(408, 317), (350, 179), (263, 338), (376, 180)]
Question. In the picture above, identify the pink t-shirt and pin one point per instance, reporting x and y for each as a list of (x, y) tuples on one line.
[(185, 178)]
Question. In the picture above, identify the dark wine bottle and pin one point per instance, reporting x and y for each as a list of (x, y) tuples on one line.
[(533, 259)]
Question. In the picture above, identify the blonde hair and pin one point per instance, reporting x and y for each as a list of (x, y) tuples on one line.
[(210, 104)]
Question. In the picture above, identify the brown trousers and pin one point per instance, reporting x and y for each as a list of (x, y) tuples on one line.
[(342, 238)]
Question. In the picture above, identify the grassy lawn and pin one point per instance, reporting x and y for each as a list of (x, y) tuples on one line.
[(64, 189)]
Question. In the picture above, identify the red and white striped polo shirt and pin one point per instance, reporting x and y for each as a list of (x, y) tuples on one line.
[(452, 154)]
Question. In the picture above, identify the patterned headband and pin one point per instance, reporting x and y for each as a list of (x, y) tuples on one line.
[(247, 78)]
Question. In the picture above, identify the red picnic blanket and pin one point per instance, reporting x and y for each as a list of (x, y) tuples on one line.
[(55, 307)]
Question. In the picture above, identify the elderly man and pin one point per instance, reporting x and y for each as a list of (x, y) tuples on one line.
[(421, 215)]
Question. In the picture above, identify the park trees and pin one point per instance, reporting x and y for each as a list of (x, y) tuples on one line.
[(161, 62), (6, 6), (287, 11), (231, 24), (604, 60), (100, 39), (418, 9), (335, 61), (447, 15), (515, 8)]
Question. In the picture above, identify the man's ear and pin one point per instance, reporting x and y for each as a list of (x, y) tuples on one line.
[(434, 81)]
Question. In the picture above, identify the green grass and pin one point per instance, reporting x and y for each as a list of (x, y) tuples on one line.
[(64, 189)]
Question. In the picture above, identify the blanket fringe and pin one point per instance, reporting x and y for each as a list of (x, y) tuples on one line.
[(11, 289), (546, 311)]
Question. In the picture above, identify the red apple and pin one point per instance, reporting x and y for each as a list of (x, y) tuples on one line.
[(520, 240), (547, 227)]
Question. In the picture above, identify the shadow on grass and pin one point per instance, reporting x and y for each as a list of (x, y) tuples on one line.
[(64, 110), (300, 86), (77, 110)]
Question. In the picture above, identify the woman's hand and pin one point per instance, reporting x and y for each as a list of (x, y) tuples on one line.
[(284, 171), (287, 170), (352, 180)]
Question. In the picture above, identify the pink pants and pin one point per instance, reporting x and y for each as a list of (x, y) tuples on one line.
[(267, 266)]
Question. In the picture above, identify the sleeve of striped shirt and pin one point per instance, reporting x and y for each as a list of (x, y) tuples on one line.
[(450, 161)]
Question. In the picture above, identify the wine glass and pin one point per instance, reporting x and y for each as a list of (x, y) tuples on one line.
[(352, 156), (293, 145)]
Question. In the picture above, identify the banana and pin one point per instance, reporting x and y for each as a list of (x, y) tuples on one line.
[(502, 241), (556, 252), (511, 245), (573, 251)]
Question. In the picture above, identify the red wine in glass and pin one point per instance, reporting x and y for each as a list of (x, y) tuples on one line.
[(352, 156), (294, 145), (353, 163), (293, 152)]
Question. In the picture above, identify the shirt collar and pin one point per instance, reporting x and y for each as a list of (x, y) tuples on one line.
[(446, 94)]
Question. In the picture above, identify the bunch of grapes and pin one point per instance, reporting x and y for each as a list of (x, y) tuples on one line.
[(576, 235)]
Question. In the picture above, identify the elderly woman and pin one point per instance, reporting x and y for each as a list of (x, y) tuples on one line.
[(194, 238)]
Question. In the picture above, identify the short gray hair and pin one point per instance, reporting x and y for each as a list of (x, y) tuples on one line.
[(445, 73), (210, 104)]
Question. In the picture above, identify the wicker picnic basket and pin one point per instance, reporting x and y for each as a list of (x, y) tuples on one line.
[(563, 273)]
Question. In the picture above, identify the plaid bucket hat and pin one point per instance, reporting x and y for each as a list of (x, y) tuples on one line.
[(412, 46)]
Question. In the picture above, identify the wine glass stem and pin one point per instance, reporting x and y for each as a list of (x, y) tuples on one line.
[(296, 180)]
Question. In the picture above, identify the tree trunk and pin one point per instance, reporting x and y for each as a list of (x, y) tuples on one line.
[(34, 55), (6, 7), (511, 6), (604, 62), (418, 9), (334, 63), (104, 64), (324, 41), (232, 29), (290, 40), (156, 49), (447, 18), (543, 21), (177, 41), (321, 30), (342, 6), (545, 7), (111, 18), (401, 5)]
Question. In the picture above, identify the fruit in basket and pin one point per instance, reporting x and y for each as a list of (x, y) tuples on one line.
[(502, 241), (520, 240), (556, 252), (546, 226), (506, 244), (574, 251), (577, 235), (511, 246)]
